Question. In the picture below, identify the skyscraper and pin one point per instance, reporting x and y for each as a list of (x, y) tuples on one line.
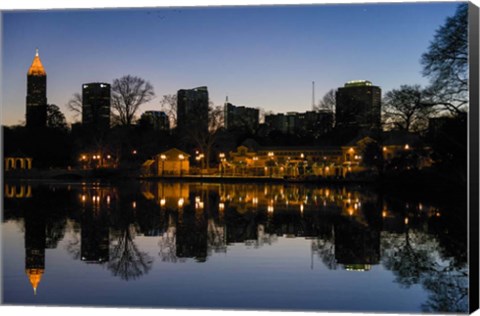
[(96, 106), (192, 110), (36, 94), (358, 105)]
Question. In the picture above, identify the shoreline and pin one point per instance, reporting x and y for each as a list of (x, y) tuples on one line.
[(417, 183)]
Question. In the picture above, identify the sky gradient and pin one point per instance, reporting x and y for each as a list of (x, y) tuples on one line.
[(264, 57)]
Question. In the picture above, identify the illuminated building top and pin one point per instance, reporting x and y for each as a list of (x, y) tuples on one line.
[(34, 275), (358, 83), (36, 69), (358, 267)]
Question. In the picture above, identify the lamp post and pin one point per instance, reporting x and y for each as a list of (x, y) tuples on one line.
[(200, 160), (271, 155), (84, 160), (181, 157), (302, 157), (163, 157), (222, 159)]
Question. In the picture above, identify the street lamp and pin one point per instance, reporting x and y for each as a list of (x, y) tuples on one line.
[(163, 157), (255, 159), (222, 159), (199, 158), (84, 160), (271, 155), (181, 157)]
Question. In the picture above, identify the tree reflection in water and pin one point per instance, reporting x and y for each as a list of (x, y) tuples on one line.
[(126, 260), (325, 248), (73, 244), (414, 259), (349, 228), (167, 244), (409, 256)]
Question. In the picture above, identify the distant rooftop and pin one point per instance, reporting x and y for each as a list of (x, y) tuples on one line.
[(358, 83)]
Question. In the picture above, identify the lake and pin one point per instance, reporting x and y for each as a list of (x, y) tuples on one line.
[(235, 246)]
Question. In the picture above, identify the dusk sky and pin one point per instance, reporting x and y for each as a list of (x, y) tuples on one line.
[(264, 57)]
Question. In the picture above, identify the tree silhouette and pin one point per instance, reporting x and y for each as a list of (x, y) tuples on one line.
[(407, 108), (128, 94), (448, 288), (168, 104), (446, 63), (126, 260), (73, 246), (325, 248), (328, 102), (168, 247), (55, 118), (407, 260), (75, 104), (413, 260)]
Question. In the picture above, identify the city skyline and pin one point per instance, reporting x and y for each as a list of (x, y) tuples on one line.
[(262, 57)]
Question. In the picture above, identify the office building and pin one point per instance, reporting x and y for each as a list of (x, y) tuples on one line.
[(277, 122), (310, 123), (36, 94), (192, 110), (358, 105), (96, 106)]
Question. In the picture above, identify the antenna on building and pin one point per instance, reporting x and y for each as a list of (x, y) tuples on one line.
[(313, 95)]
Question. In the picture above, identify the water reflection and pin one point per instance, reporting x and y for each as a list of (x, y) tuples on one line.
[(35, 244), (351, 229)]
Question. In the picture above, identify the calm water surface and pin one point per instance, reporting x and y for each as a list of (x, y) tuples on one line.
[(247, 246)]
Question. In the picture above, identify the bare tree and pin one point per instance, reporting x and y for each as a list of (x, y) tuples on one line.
[(446, 63), (407, 108), (328, 102), (168, 104), (128, 94), (75, 104), (126, 260), (412, 261)]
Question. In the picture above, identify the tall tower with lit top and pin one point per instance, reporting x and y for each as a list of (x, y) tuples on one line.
[(36, 94)]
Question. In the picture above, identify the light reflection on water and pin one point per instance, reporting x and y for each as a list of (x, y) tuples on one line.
[(253, 246)]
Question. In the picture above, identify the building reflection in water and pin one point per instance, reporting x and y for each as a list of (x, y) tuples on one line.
[(35, 238), (202, 218), (351, 229), (96, 205)]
